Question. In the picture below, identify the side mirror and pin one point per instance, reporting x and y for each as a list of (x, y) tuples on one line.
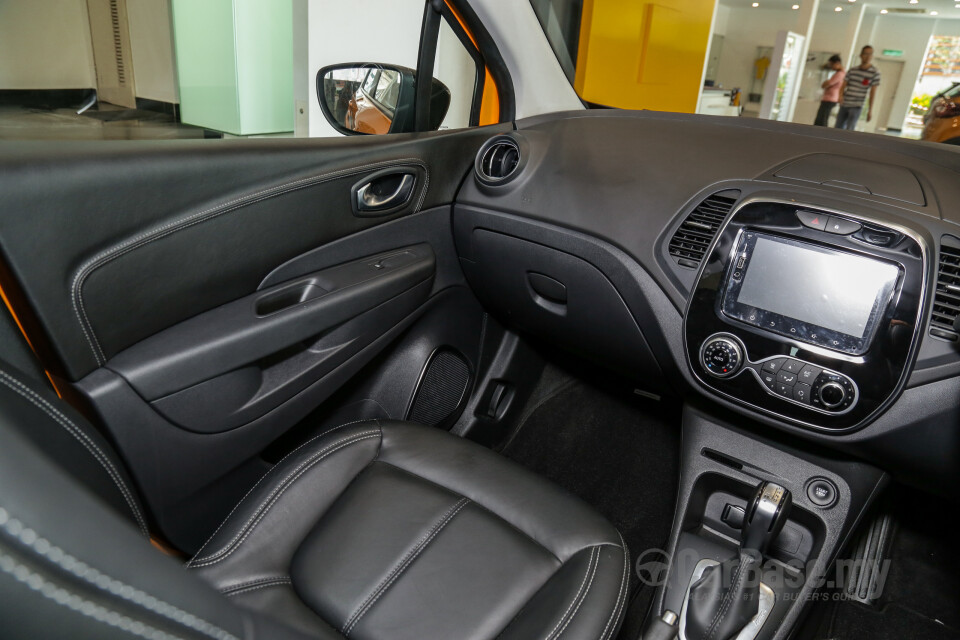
[(371, 98)]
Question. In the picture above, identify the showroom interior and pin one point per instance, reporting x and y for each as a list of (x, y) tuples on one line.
[(144, 68)]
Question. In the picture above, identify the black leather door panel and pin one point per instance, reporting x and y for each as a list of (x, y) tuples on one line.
[(109, 243), (230, 365)]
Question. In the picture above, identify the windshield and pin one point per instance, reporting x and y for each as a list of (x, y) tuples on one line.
[(851, 66)]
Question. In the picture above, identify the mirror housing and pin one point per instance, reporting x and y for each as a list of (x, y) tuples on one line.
[(371, 98)]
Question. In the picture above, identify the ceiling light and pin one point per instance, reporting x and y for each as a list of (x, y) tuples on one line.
[(796, 6), (838, 9), (934, 13), (883, 11), (755, 5), (914, 1)]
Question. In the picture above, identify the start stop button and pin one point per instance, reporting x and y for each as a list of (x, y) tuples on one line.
[(822, 492)]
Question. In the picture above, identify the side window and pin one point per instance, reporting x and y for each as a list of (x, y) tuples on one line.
[(456, 92)]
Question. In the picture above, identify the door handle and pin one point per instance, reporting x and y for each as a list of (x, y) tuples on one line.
[(385, 192)]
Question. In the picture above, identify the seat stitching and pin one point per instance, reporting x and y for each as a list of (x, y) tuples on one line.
[(501, 518), (276, 582), (38, 401), (75, 603), (98, 579), (586, 574), (250, 583), (621, 594), (173, 226), (582, 600), (402, 565), (264, 476), (275, 495), (406, 564)]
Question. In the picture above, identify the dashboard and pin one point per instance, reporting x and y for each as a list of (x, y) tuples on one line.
[(803, 279)]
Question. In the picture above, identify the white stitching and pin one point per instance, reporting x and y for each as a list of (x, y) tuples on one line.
[(397, 571), (94, 577), (274, 496), (77, 604), (576, 598), (582, 600), (196, 556), (621, 594), (265, 584), (81, 437), (147, 237)]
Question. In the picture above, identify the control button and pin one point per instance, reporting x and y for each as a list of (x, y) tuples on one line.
[(943, 334), (841, 227), (784, 390), (801, 393), (792, 366), (773, 365), (733, 516), (832, 394), (822, 492), (721, 356), (786, 378), (816, 221), (769, 380), (878, 237), (789, 540), (809, 373)]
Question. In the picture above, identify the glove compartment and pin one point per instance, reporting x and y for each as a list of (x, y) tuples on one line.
[(553, 295)]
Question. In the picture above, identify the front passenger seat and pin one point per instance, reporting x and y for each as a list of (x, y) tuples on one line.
[(377, 529)]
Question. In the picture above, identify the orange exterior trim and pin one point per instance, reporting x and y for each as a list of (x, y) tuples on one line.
[(490, 100), (23, 331)]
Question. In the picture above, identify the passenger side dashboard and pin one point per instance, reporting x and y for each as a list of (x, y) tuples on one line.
[(592, 207)]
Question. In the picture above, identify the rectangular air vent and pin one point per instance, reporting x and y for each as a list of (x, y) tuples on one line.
[(946, 300), (691, 240)]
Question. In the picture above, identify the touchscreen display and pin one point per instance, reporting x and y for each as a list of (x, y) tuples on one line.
[(815, 293)]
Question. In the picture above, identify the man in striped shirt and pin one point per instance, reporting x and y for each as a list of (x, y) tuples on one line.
[(859, 81)]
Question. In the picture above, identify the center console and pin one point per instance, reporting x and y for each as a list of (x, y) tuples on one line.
[(758, 526), (808, 315)]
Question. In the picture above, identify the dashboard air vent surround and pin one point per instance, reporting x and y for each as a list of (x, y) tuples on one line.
[(946, 300), (693, 237), (498, 161)]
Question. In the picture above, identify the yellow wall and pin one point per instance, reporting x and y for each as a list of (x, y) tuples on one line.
[(643, 55)]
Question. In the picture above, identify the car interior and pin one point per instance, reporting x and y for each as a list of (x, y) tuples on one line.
[(572, 375)]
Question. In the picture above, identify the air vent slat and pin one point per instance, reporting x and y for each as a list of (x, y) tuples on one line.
[(693, 237), (498, 160), (946, 299)]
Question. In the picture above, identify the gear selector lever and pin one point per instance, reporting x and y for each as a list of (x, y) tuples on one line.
[(727, 596)]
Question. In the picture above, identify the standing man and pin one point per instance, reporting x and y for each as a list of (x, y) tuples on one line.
[(859, 81), (831, 91)]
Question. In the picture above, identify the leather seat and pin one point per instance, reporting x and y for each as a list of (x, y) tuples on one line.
[(376, 529)]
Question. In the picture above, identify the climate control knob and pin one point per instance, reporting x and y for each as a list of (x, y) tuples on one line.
[(721, 356), (832, 394)]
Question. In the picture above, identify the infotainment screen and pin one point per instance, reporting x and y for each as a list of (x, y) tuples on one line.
[(812, 293)]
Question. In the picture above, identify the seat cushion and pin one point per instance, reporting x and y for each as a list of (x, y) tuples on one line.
[(386, 529)]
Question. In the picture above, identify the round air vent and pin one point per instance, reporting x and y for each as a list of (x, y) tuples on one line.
[(498, 161)]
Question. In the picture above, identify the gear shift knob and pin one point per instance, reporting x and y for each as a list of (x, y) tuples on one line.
[(766, 514)]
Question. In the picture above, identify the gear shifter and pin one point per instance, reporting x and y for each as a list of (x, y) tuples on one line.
[(724, 600)]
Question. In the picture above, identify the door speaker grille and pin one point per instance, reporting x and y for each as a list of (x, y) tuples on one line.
[(442, 389)]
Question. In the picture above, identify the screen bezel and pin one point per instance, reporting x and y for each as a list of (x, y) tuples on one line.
[(773, 322)]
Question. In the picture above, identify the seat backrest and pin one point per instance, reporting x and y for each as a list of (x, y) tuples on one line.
[(69, 440), (73, 559)]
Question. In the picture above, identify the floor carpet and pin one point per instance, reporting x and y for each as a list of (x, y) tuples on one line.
[(616, 450)]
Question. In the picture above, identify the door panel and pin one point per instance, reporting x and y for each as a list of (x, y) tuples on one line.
[(109, 243), (205, 298)]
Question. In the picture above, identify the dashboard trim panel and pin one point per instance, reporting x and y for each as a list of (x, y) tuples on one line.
[(919, 320)]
